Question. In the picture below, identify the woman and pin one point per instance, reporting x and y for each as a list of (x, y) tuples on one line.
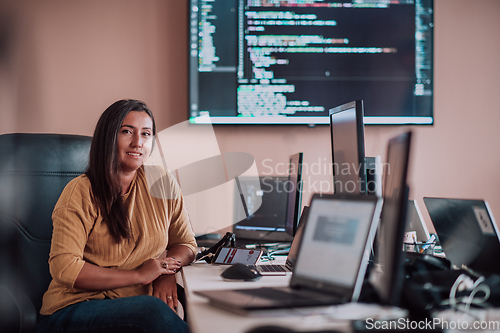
[(109, 274)]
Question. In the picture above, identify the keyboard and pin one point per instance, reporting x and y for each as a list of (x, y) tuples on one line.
[(274, 294), (271, 268), (295, 296)]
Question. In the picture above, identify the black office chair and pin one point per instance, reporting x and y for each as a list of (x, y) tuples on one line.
[(34, 169)]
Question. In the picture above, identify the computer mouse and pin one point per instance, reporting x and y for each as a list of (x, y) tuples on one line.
[(240, 272)]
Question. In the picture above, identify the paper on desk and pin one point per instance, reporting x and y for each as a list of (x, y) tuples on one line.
[(359, 311), (337, 317), (349, 311)]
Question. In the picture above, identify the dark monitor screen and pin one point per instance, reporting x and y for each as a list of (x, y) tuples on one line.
[(388, 275), (348, 148), (294, 194), (267, 223), (286, 62)]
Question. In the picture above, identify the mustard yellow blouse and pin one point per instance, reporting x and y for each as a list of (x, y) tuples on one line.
[(159, 221)]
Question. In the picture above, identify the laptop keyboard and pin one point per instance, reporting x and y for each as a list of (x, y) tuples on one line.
[(271, 268), (273, 294)]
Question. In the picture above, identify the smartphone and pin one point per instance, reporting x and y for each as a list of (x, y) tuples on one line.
[(233, 255)]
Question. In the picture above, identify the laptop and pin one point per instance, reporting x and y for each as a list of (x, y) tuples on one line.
[(287, 268), (415, 222), (331, 260), (467, 232)]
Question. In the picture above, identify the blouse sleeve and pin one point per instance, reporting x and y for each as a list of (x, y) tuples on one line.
[(72, 220)]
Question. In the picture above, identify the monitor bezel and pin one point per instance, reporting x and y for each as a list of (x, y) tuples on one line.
[(299, 280), (389, 283), (262, 234), (360, 138), (311, 121), (291, 224)]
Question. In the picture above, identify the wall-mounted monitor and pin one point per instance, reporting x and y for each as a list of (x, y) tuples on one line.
[(289, 62)]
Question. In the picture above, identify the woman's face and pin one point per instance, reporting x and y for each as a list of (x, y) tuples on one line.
[(135, 140)]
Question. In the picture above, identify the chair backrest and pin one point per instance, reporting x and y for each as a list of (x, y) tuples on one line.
[(34, 169)]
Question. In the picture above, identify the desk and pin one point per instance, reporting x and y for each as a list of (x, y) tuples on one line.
[(206, 318)]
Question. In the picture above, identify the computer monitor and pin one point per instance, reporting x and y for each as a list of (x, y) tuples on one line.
[(294, 194), (285, 62), (267, 223), (348, 148), (387, 275)]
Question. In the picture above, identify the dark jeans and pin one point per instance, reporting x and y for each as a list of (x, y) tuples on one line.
[(125, 315)]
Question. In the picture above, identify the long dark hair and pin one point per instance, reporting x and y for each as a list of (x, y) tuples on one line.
[(103, 169)]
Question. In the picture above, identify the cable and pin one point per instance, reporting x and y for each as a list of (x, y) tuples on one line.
[(284, 251), (267, 234), (477, 288), (209, 255), (464, 282), (453, 291)]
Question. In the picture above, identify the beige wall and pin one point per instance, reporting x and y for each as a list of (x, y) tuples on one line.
[(66, 61)]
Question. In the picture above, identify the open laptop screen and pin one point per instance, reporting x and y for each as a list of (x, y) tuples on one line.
[(334, 246), (467, 232)]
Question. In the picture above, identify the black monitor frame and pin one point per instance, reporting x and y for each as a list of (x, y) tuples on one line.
[(387, 278), (294, 194), (340, 138), (267, 223)]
